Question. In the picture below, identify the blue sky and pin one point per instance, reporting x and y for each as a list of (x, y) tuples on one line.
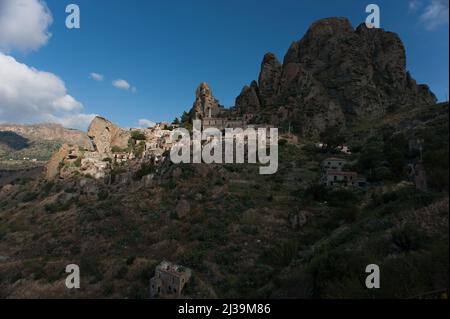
[(164, 49)]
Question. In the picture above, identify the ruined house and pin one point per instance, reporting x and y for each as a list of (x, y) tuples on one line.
[(339, 178), (169, 280), (333, 163), (333, 174)]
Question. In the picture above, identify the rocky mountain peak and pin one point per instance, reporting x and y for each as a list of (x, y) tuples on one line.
[(205, 103), (335, 76)]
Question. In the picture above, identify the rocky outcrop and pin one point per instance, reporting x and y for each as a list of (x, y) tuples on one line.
[(269, 79), (106, 135), (334, 76), (205, 103), (248, 100), (53, 165)]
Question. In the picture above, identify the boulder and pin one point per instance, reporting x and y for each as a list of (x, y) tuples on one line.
[(106, 135)]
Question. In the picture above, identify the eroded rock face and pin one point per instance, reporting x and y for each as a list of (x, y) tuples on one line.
[(205, 103), (106, 135), (248, 100), (269, 79), (53, 165), (335, 76)]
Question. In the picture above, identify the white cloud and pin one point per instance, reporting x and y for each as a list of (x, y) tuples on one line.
[(121, 84), (144, 123), (79, 121), (96, 76), (435, 15), (414, 5), (24, 25), (28, 95)]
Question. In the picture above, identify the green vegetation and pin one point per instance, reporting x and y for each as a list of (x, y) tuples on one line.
[(144, 170), (139, 149), (138, 136), (246, 235), (116, 149)]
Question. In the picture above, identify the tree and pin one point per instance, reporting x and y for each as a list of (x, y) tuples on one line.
[(138, 136), (332, 137), (185, 117)]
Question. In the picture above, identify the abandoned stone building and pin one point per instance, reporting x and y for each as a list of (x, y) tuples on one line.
[(169, 280), (333, 174), (333, 163)]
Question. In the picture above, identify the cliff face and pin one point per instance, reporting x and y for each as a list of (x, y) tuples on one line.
[(334, 76), (105, 135)]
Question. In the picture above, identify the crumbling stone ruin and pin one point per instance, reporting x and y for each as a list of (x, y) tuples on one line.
[(169, 280), (333, 174)]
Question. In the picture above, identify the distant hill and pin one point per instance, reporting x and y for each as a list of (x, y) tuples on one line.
[(20, 144)]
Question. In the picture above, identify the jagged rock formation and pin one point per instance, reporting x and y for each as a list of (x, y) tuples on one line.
[(334, 76), (205, 103), (106, 135)]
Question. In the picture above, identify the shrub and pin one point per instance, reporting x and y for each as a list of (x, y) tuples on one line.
[(138, 136), (77, 162), (116, 149), (57, 207), (146, 169), (138, 149), (407, 238), (103, 194), (341, 198), (28, 197), (282, 142)]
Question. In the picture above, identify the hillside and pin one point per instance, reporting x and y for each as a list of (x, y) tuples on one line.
[(242, 234), (362, 179), (21, 144)]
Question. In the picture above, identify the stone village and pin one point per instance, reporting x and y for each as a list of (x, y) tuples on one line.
[(121, 152)]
